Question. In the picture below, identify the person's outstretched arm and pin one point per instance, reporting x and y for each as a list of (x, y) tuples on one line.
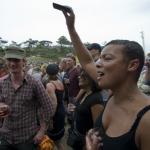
[(83, 54)]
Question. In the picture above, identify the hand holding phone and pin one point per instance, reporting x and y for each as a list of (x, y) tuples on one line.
[(61, 7)]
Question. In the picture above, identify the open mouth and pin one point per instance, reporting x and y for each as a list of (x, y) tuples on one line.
[(100, 74)]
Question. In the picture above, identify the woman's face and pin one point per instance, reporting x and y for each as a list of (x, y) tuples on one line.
[(112, 67), (83, 81)]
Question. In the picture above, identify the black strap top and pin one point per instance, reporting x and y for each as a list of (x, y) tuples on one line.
[(59, 95), (125, 141)]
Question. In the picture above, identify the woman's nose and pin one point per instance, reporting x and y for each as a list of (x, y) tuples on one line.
[(98, 63)]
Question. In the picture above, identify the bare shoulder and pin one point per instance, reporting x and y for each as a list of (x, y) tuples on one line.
[(143, 134), (59, 85), (146, 118), (50, 86)]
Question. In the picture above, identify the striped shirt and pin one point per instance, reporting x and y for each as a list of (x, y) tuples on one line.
[(25, 102)]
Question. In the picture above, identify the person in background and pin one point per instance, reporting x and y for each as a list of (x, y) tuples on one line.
[(3, 69), (44, 74), (71, 82), (144, 80), (37, 74), (25, 97), (125, 121), (55, 90), (62, 68), (29, 69), (95, 50), (43, 69), (71, 78), (3, 75), (86, 110)]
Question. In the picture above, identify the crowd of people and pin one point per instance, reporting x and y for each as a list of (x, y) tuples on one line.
[(124, 122), (104, 99)]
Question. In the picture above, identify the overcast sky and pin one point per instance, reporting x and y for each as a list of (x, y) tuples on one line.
[(96, 20)]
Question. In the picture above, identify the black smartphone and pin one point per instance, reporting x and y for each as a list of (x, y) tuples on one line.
[(61, 7)]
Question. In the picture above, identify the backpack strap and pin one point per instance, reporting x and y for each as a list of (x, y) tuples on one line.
[(139, 117)]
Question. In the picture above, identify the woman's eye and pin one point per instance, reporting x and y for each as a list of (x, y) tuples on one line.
[(107, 58)]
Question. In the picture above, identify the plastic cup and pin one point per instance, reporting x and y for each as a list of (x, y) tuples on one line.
[(71, 107), (4, 109)]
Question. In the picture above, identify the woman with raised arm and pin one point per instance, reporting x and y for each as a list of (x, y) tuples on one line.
[(125, 121)]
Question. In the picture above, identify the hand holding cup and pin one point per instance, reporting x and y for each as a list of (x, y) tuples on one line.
[(94, 139), (4, 110), (71, 107)]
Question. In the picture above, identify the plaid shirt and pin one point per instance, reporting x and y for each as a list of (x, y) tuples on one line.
[(24, 103)]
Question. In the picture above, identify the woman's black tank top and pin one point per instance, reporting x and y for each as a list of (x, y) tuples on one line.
[(125, 141)]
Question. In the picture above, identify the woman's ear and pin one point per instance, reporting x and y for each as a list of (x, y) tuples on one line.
[(133, 65)]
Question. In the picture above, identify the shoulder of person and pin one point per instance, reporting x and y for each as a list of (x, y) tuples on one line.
[(144, 124), (97, 95), (145, 120), (58, 84), (51, 85), (31, 80), (143, 134)]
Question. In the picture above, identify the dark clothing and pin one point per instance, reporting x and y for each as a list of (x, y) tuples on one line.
[(125, 141), (21, 123), (83, 116), (28, 145), (65, 97), (73, 86), (58, 119)]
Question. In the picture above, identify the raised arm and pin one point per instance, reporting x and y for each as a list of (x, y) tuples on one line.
[(83, 54)]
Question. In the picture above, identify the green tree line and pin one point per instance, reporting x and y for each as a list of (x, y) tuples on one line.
[(42, 48), (45, 49)]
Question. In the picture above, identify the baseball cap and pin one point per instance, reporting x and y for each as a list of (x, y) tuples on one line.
[(14, 52), (94, 46), (52, 69)]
